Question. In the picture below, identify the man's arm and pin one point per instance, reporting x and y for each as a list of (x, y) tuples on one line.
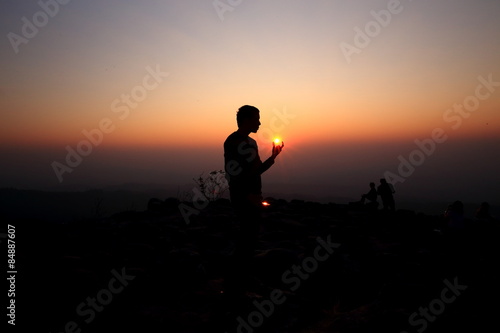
[(270, 161)]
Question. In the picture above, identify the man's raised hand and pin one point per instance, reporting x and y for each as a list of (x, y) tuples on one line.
[(277, 149)]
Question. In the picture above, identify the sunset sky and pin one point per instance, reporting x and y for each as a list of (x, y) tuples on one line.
[(348, 85)]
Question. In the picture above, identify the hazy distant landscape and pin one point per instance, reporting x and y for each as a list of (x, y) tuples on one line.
[(73, 206), (461, 170)]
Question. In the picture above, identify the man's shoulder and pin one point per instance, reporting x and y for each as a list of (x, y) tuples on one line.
[(232, 136), (234, 139), (251, 141)]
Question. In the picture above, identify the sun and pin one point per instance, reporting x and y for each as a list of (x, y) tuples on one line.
[(277, 141)]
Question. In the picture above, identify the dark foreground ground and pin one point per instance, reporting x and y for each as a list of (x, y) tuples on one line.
[(150, 271)]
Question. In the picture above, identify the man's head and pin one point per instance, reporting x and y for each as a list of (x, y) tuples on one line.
[(248, 118)]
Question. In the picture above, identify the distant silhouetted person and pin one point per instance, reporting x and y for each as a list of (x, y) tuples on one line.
[(454, 216), (371, 196), (243, 168), (386, 191), (483, 213)]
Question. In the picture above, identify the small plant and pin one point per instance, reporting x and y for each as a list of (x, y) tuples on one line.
[(213, 186)]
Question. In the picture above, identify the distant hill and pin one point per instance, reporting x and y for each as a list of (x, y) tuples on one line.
[(68, 206)]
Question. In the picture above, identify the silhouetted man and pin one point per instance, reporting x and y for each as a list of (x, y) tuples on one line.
[(243, 168), (385, 190), (371, 196)]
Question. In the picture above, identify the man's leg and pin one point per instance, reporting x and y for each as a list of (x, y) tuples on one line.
[(240, 269)]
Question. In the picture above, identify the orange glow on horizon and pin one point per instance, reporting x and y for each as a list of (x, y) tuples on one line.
[(148, 127)]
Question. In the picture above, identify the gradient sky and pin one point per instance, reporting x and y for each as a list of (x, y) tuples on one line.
[(347, 123)]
